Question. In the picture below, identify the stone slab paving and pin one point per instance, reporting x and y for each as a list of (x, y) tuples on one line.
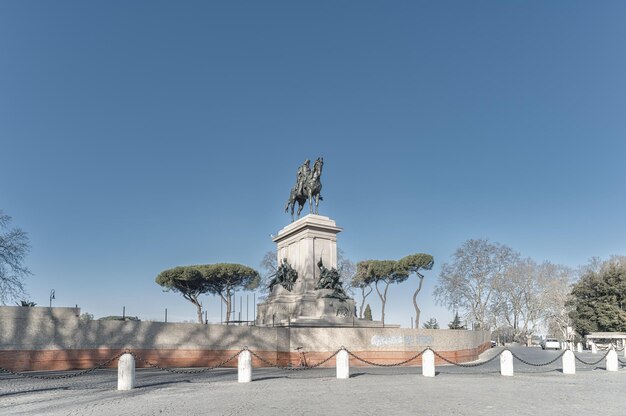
[(371, 390)]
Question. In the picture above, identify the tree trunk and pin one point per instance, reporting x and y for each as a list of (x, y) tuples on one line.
[(199, 310), (227, 301), (417, 291), (383, 300), (364, 296), (417, 317)]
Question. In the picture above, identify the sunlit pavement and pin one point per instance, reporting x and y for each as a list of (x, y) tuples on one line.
[(456, 390)]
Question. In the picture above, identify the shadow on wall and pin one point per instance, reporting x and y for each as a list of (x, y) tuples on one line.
[(50, 338), (56, 339)]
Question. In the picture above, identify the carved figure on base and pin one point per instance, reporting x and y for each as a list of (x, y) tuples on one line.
[(330, 279), (285, 276)]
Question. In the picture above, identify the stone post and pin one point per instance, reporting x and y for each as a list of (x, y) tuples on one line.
[(428, 363), (569, 362), (244, 367), (506, 363), (579, 347), (126, 372), (594, 349), (343, 364), (611, 361)]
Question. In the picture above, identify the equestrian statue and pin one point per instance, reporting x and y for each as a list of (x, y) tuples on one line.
[(308, 187)]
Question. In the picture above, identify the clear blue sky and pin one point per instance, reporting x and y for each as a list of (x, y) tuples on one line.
[(138, 136)]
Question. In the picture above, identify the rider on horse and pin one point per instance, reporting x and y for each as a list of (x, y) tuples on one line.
[(302, 177)]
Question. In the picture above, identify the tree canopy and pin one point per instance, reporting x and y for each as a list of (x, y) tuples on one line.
[(380, 273), (598, 299), (431, 324), (368, 313), (14, 246), (456, 322), (224, 278), (186, 280), (219, 279)]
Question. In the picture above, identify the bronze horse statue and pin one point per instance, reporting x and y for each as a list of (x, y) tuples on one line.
[(311, 189)]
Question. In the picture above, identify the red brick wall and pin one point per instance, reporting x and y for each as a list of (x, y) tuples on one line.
[(40, 360)]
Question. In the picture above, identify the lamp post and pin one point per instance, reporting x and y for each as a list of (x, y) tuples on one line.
[(51, 297)]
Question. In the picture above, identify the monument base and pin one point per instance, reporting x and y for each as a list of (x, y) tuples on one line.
[(306, 245), (286, 309)]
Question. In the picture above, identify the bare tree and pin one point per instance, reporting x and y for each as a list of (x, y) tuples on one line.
[(556, 281), (14, 246), (269, 266), (518, 300), (472, 279), (347, 270)]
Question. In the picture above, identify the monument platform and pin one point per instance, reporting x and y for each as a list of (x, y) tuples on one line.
[(302, 244)]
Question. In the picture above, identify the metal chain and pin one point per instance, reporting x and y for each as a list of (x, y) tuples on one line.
[(609, 347), (63, 376), (308, 367), (463, 365), (171, 370), (595, 362), (533, 364), (384, 365), (270, 364)]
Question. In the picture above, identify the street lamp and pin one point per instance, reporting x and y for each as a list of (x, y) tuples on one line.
[(51, 297)]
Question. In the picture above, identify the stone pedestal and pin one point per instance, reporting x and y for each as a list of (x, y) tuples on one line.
[(302, 243)]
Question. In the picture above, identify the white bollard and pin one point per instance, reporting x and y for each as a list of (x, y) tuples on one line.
[(611, 360), (569, 362), (126, 372), (594, 349), (506, 363), (428, 363), (343, 365), (579, 347), (244, 367)]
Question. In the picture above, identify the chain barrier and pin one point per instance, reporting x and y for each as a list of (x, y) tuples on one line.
[(385, 365), (469, 365), (292, 368), (175, 371), (63, 376), (304, 367), (517, 357), (593, 363), (609, 347)]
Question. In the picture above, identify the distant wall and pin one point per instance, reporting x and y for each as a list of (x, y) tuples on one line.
[(55, 338)]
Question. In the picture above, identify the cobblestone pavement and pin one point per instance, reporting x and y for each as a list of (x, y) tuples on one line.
[(370, 390)]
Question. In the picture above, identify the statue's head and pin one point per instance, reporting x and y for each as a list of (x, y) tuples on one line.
[(307, 162)]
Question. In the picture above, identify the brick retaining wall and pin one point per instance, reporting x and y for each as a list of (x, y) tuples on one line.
[(55, 339)]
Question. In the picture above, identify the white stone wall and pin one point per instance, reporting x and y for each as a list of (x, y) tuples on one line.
[(60, 328)]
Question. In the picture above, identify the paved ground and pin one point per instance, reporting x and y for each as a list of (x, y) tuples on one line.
[(389, 391)]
